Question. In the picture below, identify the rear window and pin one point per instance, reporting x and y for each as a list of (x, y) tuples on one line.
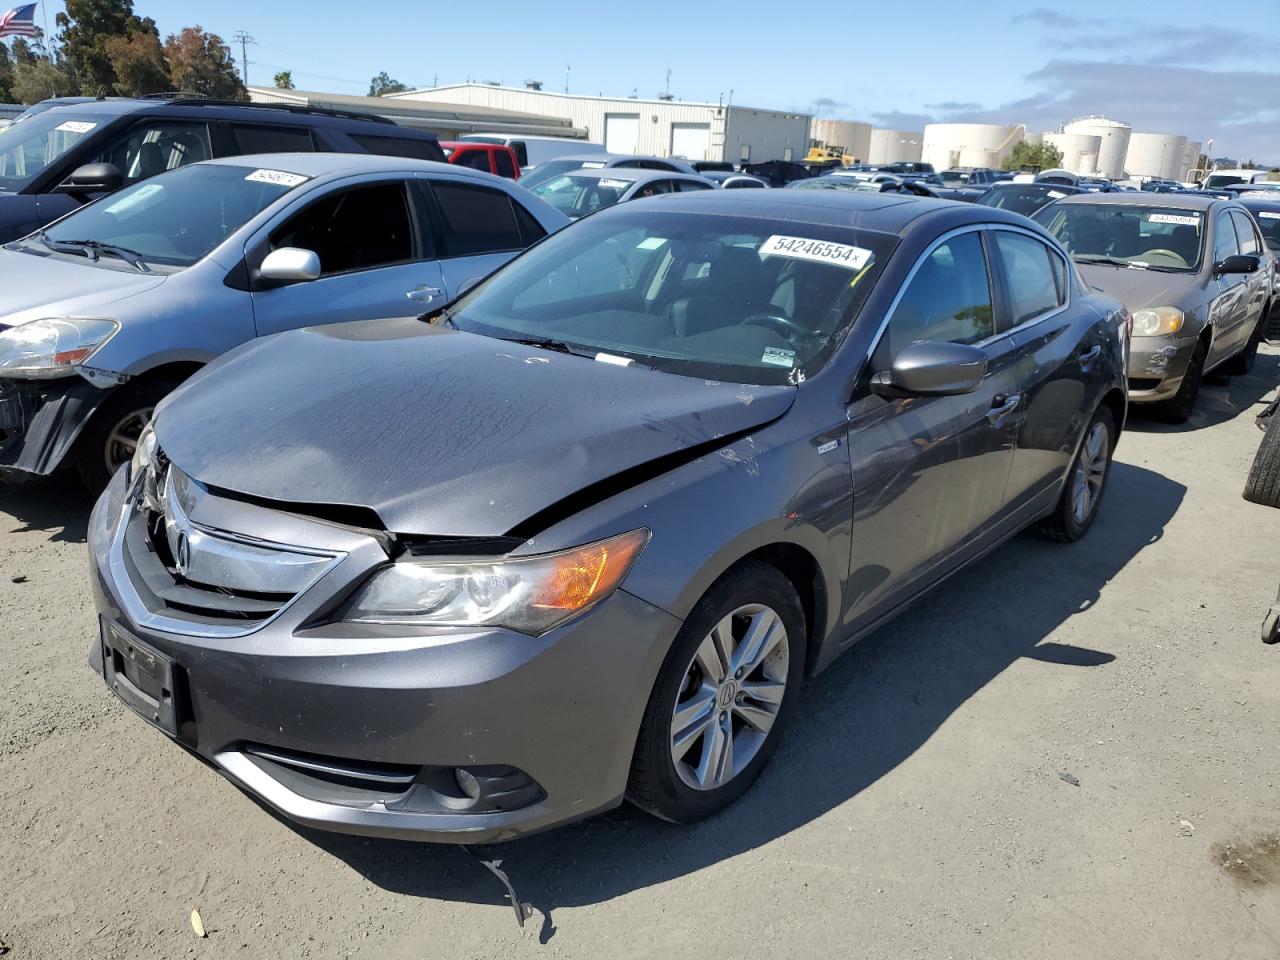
[(251, 138), (476, 219), (399, 147), (504, 167)]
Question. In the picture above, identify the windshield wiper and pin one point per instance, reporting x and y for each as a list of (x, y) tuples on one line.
[(94, 249), (1110, 261), (546, 343), (441, 316)]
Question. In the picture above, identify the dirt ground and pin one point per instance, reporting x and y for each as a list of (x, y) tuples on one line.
[(918, 808)]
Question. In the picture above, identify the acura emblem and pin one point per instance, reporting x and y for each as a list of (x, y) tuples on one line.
[(182, 555)]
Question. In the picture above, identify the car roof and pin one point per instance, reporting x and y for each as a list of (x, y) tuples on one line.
[(883, 212), (1268, 201), (1145, 198), (187, 107), (326, 164), (634, 175)]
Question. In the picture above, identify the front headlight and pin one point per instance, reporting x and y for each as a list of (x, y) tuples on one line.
[(144, 454), (527, 594), (1157, 321), (44, 349)]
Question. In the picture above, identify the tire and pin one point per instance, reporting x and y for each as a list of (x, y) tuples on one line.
[(1177, 409), (1263, 484), (744, 597), (1242, 363), (125, 413), (1076, 511)]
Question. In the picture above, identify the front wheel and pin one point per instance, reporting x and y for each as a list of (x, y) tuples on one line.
[(725, 692), (111, 436), (1177, 409), (1086, 482)]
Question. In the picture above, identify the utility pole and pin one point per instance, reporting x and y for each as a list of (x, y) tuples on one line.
[(566, 78), (242, 37)]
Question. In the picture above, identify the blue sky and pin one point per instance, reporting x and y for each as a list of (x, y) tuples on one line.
[(893, 65)]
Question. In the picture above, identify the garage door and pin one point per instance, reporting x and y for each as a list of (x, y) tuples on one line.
[(691, 140), (621, 132)]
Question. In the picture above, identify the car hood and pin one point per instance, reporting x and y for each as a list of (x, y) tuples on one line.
[(1138, 289), (34, 287), (441, 433)]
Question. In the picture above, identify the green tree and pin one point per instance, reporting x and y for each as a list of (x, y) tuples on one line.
[(138, 62), (21, 52), (200, 62), (1042, 155), (382, 84), (87, 28), (39, 80), (284, 79), (6, 75)]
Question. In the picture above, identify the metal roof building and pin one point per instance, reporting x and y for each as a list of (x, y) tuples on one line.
[(661, 127)]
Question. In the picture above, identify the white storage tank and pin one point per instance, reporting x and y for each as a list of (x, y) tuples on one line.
[(1035, 139), (1190, 159), (1155, 155), (1114, 146), (1079, 151), (892, 146), (969, 144), (854, 138)]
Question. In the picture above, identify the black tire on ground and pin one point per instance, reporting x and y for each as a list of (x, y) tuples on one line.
[(1263, 485), (1242, 362), (1063, 525), (127, 410), (1177, 409), (655, 785)]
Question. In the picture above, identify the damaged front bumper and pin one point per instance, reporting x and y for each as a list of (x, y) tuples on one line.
[(40, 421), (1157, 366)]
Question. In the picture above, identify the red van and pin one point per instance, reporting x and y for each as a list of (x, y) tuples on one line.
[(489, 157)]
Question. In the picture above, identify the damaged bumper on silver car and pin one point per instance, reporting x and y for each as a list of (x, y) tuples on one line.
[(40, 420)]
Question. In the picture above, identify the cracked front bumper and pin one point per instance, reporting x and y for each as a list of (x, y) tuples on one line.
[(1156, 367), (40, 421)]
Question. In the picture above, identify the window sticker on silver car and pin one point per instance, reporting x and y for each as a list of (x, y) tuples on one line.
[(820, 251), (278, 177), (1187, 221), (777, 357)]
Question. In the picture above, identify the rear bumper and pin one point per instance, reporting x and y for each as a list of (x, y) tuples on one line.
[(40, 421)]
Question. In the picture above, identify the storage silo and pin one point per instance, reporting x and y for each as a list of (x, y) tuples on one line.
[(1155, 155), (852, 137), (892, 146), (1114, 147), (1190, 159), (1079, 151), (969, 144)]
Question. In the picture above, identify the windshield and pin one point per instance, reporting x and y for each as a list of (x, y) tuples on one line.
[(578, 196), (550, 169), (1154, 237), (955, 176), (177, 217), (1219, 180), (1023, 200), (828, 183), (727, 298), (27, 148)]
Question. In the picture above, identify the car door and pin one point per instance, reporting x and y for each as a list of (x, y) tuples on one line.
[(929, 473), (1228, 310), (374, 260), (476, 228), (1257, 283), (1060, 359)]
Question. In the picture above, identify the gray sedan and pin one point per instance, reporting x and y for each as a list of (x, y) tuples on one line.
[(580, 192), (549, 169), (581, 535), (1194, 272)]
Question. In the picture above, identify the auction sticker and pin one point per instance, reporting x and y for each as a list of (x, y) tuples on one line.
[(1268, 215), (1186, 221), (776, 357), (1057, 194), (75, 126), (819, 251), (278, 177)]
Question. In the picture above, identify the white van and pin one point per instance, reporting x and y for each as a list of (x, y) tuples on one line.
[(1217, 179), (531, 151)]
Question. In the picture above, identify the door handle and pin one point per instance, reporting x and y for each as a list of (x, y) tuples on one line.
[(424, 293), (1087, 357), (1002, 406)]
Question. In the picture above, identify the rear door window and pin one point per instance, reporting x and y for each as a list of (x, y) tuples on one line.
[(503, 165), (357, 229), (252, 138), (687, 186), (475, 219)]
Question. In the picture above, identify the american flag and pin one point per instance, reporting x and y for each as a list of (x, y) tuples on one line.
[(19, 22)]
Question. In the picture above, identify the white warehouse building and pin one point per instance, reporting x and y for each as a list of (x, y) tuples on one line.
[(894, 146), (1079, 151), (970, 144), (1113, 144), (1155, 155), (663, 128), (853, 138)]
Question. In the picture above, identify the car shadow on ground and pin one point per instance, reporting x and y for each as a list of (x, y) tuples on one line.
[(860, 719), (59, 505), (1222, 398)]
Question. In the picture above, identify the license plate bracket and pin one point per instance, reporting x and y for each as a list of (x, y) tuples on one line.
[(141, 676)]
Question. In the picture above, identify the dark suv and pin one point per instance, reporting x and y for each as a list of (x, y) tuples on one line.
[(56, 160)]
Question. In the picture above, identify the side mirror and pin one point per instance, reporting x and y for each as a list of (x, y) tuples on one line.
[(93, 178), (932, 368), (290, 265), (1237, 263)]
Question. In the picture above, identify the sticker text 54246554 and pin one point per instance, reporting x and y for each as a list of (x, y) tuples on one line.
[(819, 251)]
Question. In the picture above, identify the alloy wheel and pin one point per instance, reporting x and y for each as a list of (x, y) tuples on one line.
[(1090, 472), (122, 441), (730, 697)]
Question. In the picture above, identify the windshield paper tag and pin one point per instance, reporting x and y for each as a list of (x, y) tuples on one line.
[(651, 243), (1174, 218), (278, 177), (777, 357), (1268, 215), (819, 251), (75, 126), (1057, 194)]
